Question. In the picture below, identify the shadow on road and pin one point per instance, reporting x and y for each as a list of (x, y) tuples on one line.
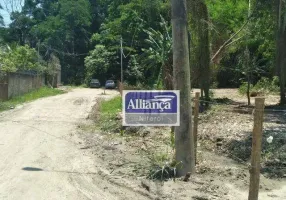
[(35, 169)]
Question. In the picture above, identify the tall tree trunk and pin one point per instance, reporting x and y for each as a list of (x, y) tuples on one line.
[(247, 67), (200, 60), (204, 49), (184, 140), (282, 65), (281, 47), (248, 90)]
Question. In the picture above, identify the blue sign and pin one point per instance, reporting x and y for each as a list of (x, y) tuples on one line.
[(151, 108)]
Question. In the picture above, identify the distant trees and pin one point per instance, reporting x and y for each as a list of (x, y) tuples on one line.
[(61, 27), (218, 32), (98, 63), (141, 25)]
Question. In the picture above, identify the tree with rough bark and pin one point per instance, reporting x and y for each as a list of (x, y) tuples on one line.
[(280, 10), (200, 44), (184, 140)]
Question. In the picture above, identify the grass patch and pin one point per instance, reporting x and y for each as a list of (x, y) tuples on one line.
[(78, 86), (36, 94), (112, 106), (108, 114)]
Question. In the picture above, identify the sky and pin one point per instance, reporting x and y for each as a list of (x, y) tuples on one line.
[(4, 13)]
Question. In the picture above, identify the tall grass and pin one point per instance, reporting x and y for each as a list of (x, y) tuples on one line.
[(36, 94), (108, 115), (112, 106)]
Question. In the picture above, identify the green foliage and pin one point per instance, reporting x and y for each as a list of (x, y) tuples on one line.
[(264, 85), (70, 29), (108, 115), (19, 58), (134, 72), (59, 27), (31, 96), (53, 65), (227, 17), (159, 54), (228, 14), (161, 169), (243, 88), (97, 63), (267, 85), (131, 20), (112, 106)]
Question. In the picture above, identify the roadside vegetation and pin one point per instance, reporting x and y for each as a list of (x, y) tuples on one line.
[(225, 127), (31, 96), (233, 43), (263, 87), (224, 146), (109, 119)]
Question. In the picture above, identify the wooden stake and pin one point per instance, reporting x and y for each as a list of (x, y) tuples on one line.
[(196, 122), (256, 149), (120, 87)]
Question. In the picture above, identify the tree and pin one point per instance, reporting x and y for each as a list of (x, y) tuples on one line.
[(19, 58), (184, 141), (53, 67), (130, 19), (200, 44), (60, 27), (159, 55), (281, 46), (134, 72), (98, 63)]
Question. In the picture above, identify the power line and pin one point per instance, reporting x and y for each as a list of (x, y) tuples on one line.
[(64, 53)]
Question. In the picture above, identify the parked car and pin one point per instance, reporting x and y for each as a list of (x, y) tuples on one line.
[(110, 84), (94, 83)]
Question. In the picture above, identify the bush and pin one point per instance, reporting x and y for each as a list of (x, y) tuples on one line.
[(112, 106), (243, 88), (264, 85), (28, 97), (139, 86), (267, 85), (108, 114)]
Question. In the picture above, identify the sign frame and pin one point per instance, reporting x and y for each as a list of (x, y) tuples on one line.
[(176, 92)]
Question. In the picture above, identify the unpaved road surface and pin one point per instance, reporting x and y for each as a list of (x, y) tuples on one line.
[(41, 156)]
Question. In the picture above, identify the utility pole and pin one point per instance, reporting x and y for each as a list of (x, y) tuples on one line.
[(184, 139), (121, 55), (38, 50)]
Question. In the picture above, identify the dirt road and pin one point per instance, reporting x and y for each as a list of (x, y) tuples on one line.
[(41, 156)]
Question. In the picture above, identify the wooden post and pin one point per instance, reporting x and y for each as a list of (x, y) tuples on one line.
[(256, 149), (196, 122), (120, 87)]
